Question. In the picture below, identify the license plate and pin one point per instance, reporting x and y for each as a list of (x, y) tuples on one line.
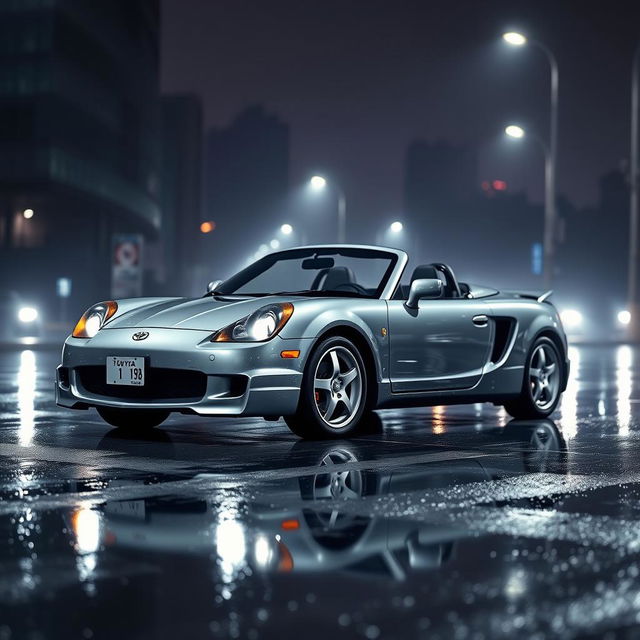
[(125, 370)]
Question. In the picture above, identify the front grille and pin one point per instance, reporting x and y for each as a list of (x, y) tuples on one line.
[(159, 384)]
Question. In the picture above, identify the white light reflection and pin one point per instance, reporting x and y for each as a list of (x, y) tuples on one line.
[(231, 545), (86, 526), (262, 551), (624, 362), (569, 403), (26, 396), (87, 529)]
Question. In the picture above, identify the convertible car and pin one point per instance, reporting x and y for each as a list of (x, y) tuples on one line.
[(321, 336)]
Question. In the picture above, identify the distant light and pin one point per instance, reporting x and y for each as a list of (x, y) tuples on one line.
[(318, 183), (27, 314), (207, 227), (286, 229), (514, 38), (624, 317), (28, 213), (514, 131), (263, 248), (396, 227), (571, 318), (499, 185), (275, 243)]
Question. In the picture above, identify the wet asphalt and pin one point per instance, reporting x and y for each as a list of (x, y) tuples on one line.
[(443, 522)]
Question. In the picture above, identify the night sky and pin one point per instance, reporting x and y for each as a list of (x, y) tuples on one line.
[(357, 81)]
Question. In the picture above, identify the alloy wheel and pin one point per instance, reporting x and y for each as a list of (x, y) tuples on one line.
[(544, 376), (337, 386)]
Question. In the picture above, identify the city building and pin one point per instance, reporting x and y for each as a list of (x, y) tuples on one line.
[(79, 142), (474, 223), (246, 187)]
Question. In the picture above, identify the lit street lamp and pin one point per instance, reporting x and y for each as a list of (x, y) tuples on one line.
[(286, 229), (516, 39), (318, 183), (514, 131), (396, 227)]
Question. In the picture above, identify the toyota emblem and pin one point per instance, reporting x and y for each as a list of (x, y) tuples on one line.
[(141, 335)]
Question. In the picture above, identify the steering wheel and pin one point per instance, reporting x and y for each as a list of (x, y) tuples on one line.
[(354, 287)]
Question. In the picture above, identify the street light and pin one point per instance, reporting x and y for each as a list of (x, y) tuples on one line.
[(28, 214), (396, 227), (286, 229), (514, 131), (516, 39), (275, 243), (318, 183)]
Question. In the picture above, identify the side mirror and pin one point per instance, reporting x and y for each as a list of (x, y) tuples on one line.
[(423, 288), (213, 285)]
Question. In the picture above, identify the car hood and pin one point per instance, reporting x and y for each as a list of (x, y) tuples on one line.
[(205, 314)]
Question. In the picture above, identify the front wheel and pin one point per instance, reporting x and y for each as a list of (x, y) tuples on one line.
[(542, 382), (333, 396), (133, 419)]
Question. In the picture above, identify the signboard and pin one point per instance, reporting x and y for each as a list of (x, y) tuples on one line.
[(126, 266)]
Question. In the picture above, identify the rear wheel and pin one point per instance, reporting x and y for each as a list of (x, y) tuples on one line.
[(333, 395), (133, 419), (542, 381)]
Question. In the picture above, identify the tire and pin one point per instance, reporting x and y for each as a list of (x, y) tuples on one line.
[(133, 419), (333, 395), (541, 383)]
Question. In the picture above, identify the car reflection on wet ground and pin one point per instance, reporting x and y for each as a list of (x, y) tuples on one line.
[(442, 522)]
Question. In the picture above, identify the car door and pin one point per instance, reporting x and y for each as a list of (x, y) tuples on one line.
[(443, 344)]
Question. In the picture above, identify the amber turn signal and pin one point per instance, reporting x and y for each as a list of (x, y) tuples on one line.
[(292, 353)]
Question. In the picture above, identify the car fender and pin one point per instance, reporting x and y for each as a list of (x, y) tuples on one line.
[(312, 319)]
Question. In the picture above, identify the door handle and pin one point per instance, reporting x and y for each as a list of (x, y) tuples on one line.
[(480, 321)]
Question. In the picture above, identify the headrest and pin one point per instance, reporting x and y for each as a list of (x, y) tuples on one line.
[(337, 276), (424, 272)]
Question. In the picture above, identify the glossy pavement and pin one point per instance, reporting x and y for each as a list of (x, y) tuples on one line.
[(441, 523)]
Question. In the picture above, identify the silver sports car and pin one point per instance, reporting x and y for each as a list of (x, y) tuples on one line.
[(319, 335)]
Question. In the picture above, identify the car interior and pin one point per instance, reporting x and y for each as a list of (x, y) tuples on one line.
[(343, 279)]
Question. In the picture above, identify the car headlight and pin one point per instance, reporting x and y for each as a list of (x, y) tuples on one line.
[(93, 319), (27, 314), (263, 324)]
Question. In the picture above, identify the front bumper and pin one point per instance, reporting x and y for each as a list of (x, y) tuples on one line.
[(269, 384)]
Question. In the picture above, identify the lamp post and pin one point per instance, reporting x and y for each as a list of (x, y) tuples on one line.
[(318, 183), (517, 40), (633, 279)]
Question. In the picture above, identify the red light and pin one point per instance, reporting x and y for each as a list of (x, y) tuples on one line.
[(208, 226), (499, 185), (290, 525)]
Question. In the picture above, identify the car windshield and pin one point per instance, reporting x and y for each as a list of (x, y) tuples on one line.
[(315, 272)]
